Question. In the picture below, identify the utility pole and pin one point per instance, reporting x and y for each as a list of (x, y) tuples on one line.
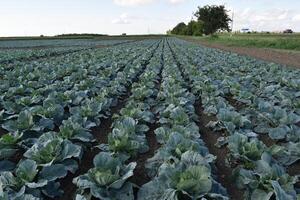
[(232, 22)]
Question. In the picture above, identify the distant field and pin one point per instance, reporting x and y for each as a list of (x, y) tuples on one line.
[(276, 41), (104, 37)]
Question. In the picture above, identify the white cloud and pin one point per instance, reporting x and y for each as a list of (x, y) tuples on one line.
[(283, 16), (266, 20), (176, 1), (131, 2), (296, 18), (143, 2), (122, 19)]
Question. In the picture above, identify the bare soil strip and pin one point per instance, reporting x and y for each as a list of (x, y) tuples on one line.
[(277, 56), (3, 131), (210, 138), (140, 176), (294, 170)]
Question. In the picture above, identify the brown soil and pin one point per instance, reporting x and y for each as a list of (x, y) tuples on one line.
[(140, 176), (18, 156), (235, 103), (210, 137), (101, 132), (86, 163), (3, 131), (266, 140), (294, 169), (277, 56)]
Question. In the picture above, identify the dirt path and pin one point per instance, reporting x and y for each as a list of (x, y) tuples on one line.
[(223, 172), (272, 55)]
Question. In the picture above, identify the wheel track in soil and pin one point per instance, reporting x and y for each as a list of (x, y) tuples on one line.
[(100, 133), (223, 172)]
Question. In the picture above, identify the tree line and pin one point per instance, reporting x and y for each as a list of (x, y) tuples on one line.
[(209, 20)]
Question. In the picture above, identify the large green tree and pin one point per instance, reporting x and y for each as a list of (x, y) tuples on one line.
[(214, 18), (194, 28), (179, 29)]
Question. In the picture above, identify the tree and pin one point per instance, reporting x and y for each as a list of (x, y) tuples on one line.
[(194, 28), (179, 29), (214, 18)]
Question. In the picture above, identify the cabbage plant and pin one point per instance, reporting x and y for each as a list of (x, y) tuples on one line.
[(9, 145), (24, 122), (107, 180), (245, 150), (23, 183), (173, 150), (265, 180), (191, 178), (73, 129), (128, 138)]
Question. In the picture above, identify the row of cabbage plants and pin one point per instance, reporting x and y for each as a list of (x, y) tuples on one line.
[(269, 92), (71, 112), (258, 169), (112, 169), (30, 83), (50, 93), (57, 43), (12, 55), (51, 100), (182, 167)]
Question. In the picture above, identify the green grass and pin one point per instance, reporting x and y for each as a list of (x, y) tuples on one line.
[(275, 41)]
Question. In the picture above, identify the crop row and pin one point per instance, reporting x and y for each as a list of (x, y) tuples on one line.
[(113, 166), (182, 168), (156, 144), (52, 121), (15, 55), (57, 43), (249, 99)]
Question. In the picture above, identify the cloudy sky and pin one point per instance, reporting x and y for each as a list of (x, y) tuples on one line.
[(50, 17)]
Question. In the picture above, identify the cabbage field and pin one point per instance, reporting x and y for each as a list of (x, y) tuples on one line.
[(155, 119)]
